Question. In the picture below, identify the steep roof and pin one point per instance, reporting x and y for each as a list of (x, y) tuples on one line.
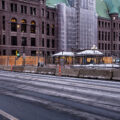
[(53, 3), (102, 9), (106, 7)]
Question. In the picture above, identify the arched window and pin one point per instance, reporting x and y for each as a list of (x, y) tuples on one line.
[(14, 24), (33, 27), (23, 25)]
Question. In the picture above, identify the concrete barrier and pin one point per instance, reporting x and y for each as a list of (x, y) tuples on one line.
[(96, 74), (7, 68), (30, 69), (93, 73), (68, 72), (116, 75), (18, 68), (1, 67), (46, 71)]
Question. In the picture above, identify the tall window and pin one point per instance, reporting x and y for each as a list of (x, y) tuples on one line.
[(13, 7), (108, 36), (102, 46), (3, 39), (114, 36), (13, 40), (53, 15), (3, 4), (3, 21), (14, 24), (42, 12), (105, 36), (43, 42), (48, 15), (53, 43), (4, 52), (33, 42), (0, 40), (42, 27), (105, 46), (53, 30), (48, 43), (24, 41), (23, 26), (23, 9), (99, 35), (108, 46), (99, 46), (13, 52), (33, 53), (48, 29), (102, 35), (99, 23), (48, 53), (33, 27), (32, 11), (114, 46)]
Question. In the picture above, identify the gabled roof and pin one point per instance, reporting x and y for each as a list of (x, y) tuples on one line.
[(53, 3)]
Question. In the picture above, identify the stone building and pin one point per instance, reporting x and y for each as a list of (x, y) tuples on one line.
[(28, 27), (109, 26)]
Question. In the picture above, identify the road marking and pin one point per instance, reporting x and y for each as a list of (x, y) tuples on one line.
[(8, 116)]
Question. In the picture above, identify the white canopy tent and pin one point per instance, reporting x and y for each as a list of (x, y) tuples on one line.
[(90, 53), (66, 54)]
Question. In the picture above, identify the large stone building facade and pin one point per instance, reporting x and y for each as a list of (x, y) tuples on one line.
[(109, 27), (28, 27)]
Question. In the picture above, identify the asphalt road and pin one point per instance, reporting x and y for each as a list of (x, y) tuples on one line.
[(43, 97), (25, 110)]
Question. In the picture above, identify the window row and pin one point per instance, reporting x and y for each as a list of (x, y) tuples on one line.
[(104, 46), (104, 36), (44, 43), (116, 26), (32, 53), (50, 29), (32, 10), (103, 24), (116, 36)]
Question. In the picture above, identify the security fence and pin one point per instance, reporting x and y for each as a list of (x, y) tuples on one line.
[(42, 61), (28, 60)]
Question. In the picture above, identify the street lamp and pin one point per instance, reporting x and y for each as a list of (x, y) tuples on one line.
[(94, 47), (39, 53)]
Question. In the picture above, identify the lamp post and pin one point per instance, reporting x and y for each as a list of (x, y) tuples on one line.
[(94, 47), (23, 44), (39, 55)]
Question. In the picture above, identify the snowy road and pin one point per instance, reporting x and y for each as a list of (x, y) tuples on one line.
[(84, 98)]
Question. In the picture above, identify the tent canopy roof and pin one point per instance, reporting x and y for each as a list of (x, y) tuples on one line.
[(90, 53), (67, 54)]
